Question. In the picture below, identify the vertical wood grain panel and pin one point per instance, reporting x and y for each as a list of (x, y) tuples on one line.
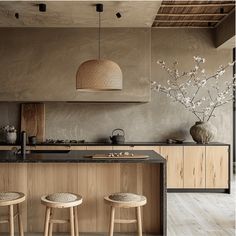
[(194, 167), (153, 148), (151, 189), (108, 182), (128, 183), (217, 167), (92, 182), (122, 148), (175, 165), (13, 177), (99, 147)]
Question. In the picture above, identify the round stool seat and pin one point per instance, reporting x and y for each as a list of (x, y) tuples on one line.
[(11, 198), (61, 200), (126, 200)]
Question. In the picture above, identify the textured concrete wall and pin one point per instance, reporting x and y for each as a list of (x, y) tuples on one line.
[(154, 121)]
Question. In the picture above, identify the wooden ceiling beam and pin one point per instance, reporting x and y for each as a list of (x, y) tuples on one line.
[(199, 5), (186, 21), (192, 14), (225, 17), (182, 26)]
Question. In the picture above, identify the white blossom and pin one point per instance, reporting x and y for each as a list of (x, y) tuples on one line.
[(186, 88)]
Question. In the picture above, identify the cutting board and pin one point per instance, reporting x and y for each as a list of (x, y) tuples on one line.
[(33, 120), (105, 156)]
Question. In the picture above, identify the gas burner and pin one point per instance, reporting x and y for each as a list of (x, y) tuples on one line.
[(60, 141), (63, 141)]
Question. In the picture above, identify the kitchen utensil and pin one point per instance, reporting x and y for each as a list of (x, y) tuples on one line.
[(32, 140), (33, 120), (118, 136)]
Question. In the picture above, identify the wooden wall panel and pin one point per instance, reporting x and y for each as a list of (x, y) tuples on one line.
[(13, 177), (194, 167), (93, 182), (217, 167), (151, 183)]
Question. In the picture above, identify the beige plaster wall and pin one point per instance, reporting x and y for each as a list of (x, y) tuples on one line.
[(154, 121), (40, 64)]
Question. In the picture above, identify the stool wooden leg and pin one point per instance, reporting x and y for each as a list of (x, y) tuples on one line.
[(50, 223), (20, 225), (47, 219), (76, 221), (139, 221), (112, 219), (72, 225), (11, 220)]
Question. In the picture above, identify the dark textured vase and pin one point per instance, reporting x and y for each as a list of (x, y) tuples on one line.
[(203, 132)]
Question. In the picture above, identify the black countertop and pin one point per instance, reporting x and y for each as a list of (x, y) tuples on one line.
[(77, 157)]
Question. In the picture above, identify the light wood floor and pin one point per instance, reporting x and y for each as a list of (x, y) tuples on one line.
[(196, 214), (201, 214)]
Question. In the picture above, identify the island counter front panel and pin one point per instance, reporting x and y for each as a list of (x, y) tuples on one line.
[(93, 181)]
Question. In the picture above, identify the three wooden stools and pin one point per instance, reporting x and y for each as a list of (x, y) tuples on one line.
[(125, 200), (61, 200), (10, 199)]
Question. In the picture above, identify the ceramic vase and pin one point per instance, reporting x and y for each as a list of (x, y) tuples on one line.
[(10, 137), (203, 132)]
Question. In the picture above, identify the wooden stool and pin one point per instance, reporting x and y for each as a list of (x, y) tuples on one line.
[(125, 200), (61, 200), (10, 199)]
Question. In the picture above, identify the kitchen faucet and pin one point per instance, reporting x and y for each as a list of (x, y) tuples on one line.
[(23, 144)]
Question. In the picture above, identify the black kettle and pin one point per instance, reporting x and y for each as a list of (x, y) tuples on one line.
[(118, 136)]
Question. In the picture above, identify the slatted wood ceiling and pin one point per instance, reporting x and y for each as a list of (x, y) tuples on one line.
[(191, 14)]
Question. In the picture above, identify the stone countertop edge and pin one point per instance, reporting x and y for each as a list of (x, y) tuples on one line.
[(127, 144), (79, 157)]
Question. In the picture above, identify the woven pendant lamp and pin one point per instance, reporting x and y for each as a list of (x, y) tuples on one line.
[(99, 74)]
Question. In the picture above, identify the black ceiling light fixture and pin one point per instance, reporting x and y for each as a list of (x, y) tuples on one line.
[(42, 7), (17, 15), (118, 15), (221, 10)]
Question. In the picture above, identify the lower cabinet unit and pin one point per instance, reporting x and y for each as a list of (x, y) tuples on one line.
[(154, 148), (217, 167), (190, 167), (175, 165), (194, 167)]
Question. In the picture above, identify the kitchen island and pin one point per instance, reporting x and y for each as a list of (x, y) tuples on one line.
[(43, 173)]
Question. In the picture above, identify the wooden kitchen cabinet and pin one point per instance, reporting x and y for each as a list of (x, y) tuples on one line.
[(175, 165), (154, 148), (194, 167), (217, 167), (99, 147), (128, 148)]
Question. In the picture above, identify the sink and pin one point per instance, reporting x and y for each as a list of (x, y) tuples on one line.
[(49, 151)]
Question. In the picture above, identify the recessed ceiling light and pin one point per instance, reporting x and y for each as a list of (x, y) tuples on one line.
[(42, 7)]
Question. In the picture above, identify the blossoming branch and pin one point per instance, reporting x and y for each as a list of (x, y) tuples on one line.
[(186, 88)]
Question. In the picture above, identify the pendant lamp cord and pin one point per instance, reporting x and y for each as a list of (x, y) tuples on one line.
[(99, 35)]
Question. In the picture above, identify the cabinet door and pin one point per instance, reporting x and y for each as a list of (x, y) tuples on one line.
[(122, 148), (175, 165), (194, 167), (217, 167), (153, 148), (99, 147)]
